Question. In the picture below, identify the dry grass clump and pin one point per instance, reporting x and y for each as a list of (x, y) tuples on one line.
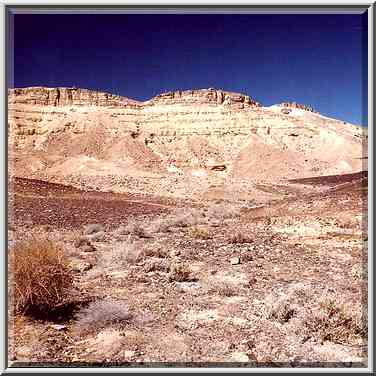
[(122, 254), (97, 315), (330, 321), (199, 233), (219, 212), (322, 317), (189, 217), (161, 225), (157, 265), (180, 273), (155, 250), (240, 238), (133, 228), (40, 276), (185, 218), (283, 307), (180, 218), (93, 229), (222, 288), (93, 232)]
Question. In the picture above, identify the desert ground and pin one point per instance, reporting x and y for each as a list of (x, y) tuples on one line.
[(244, 245)]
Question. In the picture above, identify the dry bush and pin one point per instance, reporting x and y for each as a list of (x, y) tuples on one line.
[(40, 276), (96, 237), (222, 288), (322, 317), (221, 212), (157, 265), (93, 229), (133, 228), (199, 233), (97, 315), (180, 218), (122, 254), (180, 273), (286, 305), (240, 238), (185, 218), (330, 321), (161, 225), (155, 250)]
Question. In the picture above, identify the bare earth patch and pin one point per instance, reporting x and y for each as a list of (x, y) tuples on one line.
[(289, 291)]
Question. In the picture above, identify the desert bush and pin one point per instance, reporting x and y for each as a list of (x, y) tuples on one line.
[(40, 276), (161, 225), (93, 228), (133, 228), (223, 288), (180, 218), (240, 238), (330, 321), (220, 212), (321, 316), (157, 265), (156, 251), (122, 254), (180, 273), (97, 315), (286, 305), (96, 237), (185, 218), (199, 233)]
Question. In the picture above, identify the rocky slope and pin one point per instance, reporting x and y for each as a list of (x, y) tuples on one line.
[(196, 142)]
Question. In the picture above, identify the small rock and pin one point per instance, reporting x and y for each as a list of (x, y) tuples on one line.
[(81, 241), (82, 266), (174, 253), (59, 327), (93, 228), (128, 354), (235, 260), (88, 248), (187, 285), (240, 357)]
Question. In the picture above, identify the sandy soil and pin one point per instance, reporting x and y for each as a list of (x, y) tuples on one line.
[(280, 285)]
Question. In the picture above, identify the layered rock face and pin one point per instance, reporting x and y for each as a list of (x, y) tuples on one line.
[(204, 96), (178, 142), (297, 105), (42, 96)]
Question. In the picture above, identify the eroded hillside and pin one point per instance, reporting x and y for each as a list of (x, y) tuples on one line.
[(200, 143)]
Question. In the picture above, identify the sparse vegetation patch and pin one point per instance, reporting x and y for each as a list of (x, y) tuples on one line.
[(40, 276), (99, 314)]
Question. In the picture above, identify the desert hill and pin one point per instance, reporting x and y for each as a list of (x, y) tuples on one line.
[(197, 226), (207, 142)]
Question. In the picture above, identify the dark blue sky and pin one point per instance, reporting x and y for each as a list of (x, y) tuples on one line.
[(317, 60)]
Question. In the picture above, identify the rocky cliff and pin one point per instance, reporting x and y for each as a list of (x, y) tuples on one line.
[(197, 140), (204, 96), (42, 96)]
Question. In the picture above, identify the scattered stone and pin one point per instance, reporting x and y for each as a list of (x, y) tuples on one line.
[(175, 252), (188, 285), (81, 241), (88, 248), (240, 357), (82, 266), (59, 327), (235, 260), (93, 229), (128, 354), (95, 237)]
